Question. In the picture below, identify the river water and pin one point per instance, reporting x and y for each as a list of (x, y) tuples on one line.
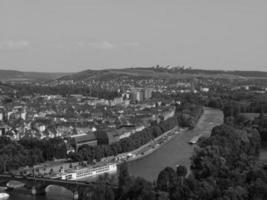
[(176, 151)]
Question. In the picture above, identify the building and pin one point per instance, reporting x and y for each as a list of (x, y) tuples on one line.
[(18, 112), (1, 116), (2, 113), (148, 93), (108, 136), (140, 94), (137, 95), (84, 139), (116, 101), (2, 131), (204, 89), (169, 113)]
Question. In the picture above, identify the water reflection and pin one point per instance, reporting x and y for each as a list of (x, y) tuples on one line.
[(52, 193)]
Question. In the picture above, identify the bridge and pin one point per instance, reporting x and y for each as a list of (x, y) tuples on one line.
[(39, 184)]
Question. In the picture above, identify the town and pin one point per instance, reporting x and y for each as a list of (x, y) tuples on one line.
[(80, 129)]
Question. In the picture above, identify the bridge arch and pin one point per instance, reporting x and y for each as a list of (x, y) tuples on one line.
[(59, 190)]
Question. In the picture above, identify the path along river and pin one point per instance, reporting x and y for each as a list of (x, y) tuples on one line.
[(176, 151)]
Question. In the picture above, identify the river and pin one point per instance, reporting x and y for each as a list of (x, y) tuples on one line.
[(176, 151)]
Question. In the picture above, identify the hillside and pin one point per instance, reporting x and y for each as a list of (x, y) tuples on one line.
[(115, 74), (248, 74), (12, 75), (165, 73)]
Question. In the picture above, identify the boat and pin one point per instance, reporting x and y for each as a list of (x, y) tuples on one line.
[(14, 184), (195, 139), (4, 195), (85, 172)]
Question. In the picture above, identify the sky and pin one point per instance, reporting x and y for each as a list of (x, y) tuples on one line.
[(74, 35)]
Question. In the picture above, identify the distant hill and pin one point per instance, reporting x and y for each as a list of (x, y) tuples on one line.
[(162, 72), (248, 74), (13, 75), (117, 74), (137, 73)]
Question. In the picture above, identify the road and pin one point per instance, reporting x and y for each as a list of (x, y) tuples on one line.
[(176, 151)]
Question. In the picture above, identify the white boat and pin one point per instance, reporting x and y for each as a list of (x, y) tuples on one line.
[(15, 184), (81, 173), (195, 139), (4, 195)]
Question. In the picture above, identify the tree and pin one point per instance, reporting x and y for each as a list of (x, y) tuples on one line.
[(181, 171), (140, 190), (166, 179), (99, 192), (125, 180)]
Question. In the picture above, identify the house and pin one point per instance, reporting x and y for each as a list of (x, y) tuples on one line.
[(51, 132), (64, 130), (204, 89)]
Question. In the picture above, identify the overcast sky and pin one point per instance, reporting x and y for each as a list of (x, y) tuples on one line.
[(73, 35)]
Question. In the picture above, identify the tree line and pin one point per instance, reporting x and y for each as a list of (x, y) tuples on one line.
[(236, 105)]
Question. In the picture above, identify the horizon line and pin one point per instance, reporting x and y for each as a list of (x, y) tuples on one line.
[(132, 67)]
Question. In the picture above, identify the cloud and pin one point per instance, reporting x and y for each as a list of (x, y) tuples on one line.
[(105, 45), (14, 44)]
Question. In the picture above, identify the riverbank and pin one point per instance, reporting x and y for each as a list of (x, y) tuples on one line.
[(150, 147), (156, 144)]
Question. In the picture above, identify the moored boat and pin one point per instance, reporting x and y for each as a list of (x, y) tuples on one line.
[(85, 172), (14, 184), (4, 195), (195, 139)]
